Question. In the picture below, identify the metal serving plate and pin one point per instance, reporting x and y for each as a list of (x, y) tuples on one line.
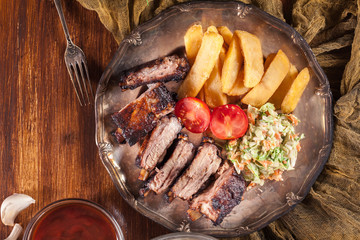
[(162, 35)]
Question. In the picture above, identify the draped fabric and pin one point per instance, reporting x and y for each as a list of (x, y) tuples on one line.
[(332, 28)]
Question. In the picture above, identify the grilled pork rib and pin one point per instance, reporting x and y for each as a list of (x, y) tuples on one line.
[(221, 197), (182, 155), (169, 68), (118, 135), (154, 148), (205, 164), (140, 116)]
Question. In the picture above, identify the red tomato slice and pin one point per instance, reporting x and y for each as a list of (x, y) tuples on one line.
[(228, 122), (193, 113)]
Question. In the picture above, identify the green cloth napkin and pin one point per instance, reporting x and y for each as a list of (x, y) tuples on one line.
[(332, 28)]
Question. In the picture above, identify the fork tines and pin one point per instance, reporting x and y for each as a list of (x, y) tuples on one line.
[(78, 68)]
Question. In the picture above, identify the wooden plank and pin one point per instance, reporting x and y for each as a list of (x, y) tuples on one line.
[(47, 140)]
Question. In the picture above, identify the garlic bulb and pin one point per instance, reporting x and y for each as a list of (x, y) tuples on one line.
[(12, 205), (15, 233)]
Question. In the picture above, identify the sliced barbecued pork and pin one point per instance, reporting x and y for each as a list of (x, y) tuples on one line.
[(154, 148), (179, 159), (139, 117), (119, 137), (169, 68), (220, 198), (223, 167), (205, 164)]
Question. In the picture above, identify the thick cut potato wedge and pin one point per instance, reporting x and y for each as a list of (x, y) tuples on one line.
[(279, 95), (204, 63), (222, 56), (226, 34), (239, 88), (268, 60), (212, 29), (201, 94), (234, 99), (213, 95), (253, 58), (232, 64), (192, 40), (271, 80), (296, 90)]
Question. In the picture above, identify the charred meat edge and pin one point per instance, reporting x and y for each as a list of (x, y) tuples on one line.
[(205, 164), (168, 68), (139, 117), (217, 201), (179, 159), (153, 150), (118, 135)]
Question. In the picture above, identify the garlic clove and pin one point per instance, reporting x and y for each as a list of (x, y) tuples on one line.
[(15, 233), (12, 205)]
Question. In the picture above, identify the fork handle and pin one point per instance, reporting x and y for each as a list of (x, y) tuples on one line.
[(63, 22)]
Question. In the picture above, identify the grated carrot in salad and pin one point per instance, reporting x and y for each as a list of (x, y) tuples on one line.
[(268, 148)]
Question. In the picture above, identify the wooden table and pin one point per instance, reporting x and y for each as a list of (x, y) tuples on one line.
[(47, 140)]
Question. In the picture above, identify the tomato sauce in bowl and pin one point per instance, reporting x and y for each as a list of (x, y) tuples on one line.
[(73, 219)]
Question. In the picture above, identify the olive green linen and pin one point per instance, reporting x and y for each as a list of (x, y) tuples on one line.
[(332, 28)]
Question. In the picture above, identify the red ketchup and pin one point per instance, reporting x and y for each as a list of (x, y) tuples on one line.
[(74, 221)]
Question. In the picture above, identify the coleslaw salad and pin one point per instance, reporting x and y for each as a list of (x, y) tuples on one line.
[(268, 148)]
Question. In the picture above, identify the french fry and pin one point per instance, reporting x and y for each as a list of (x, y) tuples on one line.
[(253, 58), (226, 34), (271, 80), (279, 95), (213, 95), (234, 99), (210, 91), (268, 60), (212, 29), (201, 94), (192, 40), (222, 56), (239, 88), (204, 63), (296, 90), (232, 63)]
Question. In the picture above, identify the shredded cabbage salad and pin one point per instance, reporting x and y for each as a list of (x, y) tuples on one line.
[(268, 148)]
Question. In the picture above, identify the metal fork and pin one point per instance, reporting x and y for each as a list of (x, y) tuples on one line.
[(76, 63)]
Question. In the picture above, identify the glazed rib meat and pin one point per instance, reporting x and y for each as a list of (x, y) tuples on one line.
[(117, 134), (221, 197), (139, 117), (154, 148), (205, 164), (169, 68), (181, 156)]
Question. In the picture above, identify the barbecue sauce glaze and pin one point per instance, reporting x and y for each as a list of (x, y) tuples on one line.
[(74, 221)]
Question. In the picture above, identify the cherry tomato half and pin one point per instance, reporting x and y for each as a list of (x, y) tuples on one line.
[(193, 113), (228, 122)]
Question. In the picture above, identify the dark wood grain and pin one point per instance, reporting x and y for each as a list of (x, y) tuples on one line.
[(47, 140)]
